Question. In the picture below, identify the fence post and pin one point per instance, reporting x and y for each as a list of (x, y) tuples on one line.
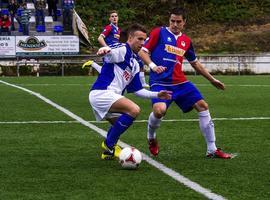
[(17, 67), (239, 65), (62, 64)]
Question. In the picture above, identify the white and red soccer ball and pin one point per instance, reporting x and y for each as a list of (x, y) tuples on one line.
[(130, 158)]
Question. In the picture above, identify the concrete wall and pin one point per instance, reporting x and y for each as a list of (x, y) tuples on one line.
[(257, 64)]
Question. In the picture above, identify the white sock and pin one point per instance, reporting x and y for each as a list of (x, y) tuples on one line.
[(142, 78), (208, 130), (97, 67), (153, 124)]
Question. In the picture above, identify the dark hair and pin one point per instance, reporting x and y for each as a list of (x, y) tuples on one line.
[(135, 27), (179, 11), (112, 11)]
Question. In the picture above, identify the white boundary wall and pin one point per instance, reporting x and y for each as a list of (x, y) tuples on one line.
[(258, 64)]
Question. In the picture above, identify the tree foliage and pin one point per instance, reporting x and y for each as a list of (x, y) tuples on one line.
[(153, 13)]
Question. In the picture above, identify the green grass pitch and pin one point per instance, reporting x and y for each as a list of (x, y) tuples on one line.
[(62, 160)]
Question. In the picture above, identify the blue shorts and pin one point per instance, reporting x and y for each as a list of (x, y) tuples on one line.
[(185, 95)]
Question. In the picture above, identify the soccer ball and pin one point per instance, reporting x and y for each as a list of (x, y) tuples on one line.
[(130, 158)]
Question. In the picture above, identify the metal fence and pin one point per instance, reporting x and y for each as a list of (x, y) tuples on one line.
[(239, 63)]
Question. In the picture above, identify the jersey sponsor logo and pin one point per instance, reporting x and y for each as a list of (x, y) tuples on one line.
[(174, 50), (127, 75)]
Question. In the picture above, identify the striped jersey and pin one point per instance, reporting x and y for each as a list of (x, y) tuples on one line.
[(169, 50), (120, 71)]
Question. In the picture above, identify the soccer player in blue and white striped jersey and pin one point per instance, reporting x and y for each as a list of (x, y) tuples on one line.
[(120, 72)]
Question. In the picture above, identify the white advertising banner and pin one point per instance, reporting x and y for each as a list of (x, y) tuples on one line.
[(47, 45), (7, 46)]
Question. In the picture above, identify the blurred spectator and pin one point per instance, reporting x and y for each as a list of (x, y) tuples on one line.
[(40, 6), (20, 2), (5, 25), (12, 8), (23, 18), (52, 8), (68, 6), (3, 3)]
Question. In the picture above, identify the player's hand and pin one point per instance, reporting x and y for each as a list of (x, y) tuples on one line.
[(159, 69), (103, 51), (165, 94), (218, 84)]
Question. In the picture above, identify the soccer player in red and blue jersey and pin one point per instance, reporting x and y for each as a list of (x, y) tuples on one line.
[(111, 33), (109, 37), (164, 52)]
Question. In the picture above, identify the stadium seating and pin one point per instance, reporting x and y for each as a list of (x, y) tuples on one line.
[(58, 13), (4, 12), (58, 29), (40, 28), (20, 29), (51, 27)]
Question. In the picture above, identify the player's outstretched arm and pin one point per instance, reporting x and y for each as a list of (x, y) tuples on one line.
[(204, 72), (103, 51), (163, 94), (218, 84)]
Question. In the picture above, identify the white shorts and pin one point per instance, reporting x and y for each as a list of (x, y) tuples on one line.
[(101, 102)]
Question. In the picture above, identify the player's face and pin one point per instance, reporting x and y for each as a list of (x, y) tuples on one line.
[(136, 40), (176, 24), (114, 18)]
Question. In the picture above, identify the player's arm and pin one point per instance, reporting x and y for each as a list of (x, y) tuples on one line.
[(101, 40), (163, 94), (105, 33), (135, 86), (197, 65), (144, 55), (113, 55), (148, 47)]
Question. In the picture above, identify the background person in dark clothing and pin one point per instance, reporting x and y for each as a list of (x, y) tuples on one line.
[(40, 6), (24, 19), (52, 8), (68, 6), (12, 8)]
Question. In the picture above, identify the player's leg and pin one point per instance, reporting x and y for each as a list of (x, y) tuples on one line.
[(154, 120), (159, 108), (206, 125), (92, 63), (129, 111), (208, 130), (105, 102)]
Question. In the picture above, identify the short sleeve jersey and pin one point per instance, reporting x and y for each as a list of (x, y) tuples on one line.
[(169, 50), (120, 71), (111, 34)]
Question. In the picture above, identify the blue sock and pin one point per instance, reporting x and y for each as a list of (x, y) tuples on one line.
[(119, 127)]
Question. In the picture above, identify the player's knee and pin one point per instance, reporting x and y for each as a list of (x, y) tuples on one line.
[(201, 106), (135, 111), (159, 112), (205, 106)]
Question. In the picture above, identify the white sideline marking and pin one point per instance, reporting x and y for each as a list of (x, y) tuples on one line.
[(78, 84), (232, 85), (136, 121), (175, 175)]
